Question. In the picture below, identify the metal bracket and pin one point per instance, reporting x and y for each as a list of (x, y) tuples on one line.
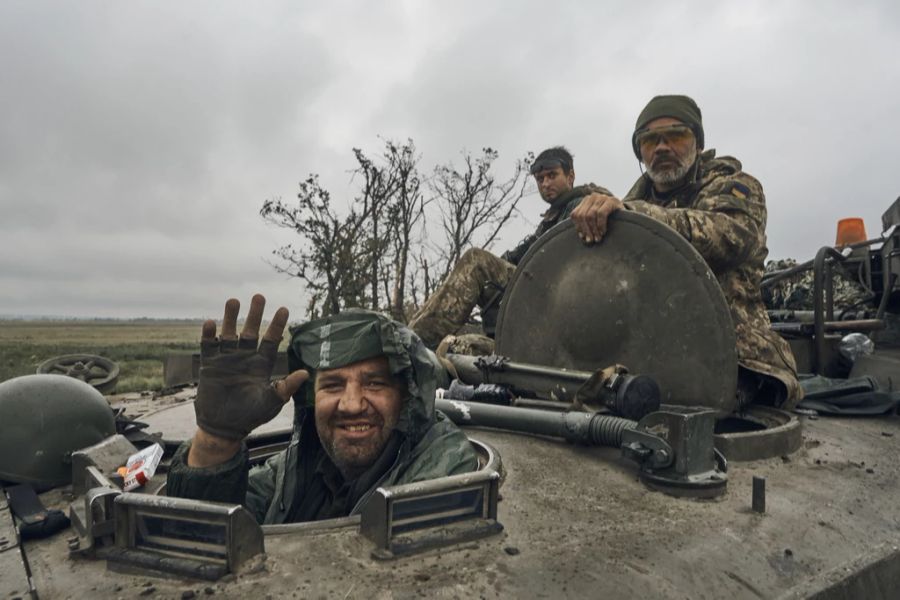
[(648, 450), (406, 519), (106, 456), (93, 517), (188, 538), (675, 449)]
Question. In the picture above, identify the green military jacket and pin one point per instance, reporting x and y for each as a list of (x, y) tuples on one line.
[(301, 483), (722, 213)]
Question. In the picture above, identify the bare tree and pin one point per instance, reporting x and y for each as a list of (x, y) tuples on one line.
[(406, 210), (375, 256), (361, 259), (331, 261), (473, 205), (393, 201), (375, 194)]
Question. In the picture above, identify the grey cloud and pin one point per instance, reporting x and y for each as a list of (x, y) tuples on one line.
[(138, 140)]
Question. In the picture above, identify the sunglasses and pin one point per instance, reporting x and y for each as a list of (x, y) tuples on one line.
[(675, 134)]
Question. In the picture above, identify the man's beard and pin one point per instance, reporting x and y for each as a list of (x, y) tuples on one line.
[(353, 457), (671, 175)]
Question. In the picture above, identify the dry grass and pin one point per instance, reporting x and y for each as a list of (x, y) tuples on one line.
[(137, 346)]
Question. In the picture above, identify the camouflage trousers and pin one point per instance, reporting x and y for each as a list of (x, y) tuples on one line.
[(478, 279)]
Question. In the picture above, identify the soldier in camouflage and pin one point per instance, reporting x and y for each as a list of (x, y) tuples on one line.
[(479, 278), (721, 211)]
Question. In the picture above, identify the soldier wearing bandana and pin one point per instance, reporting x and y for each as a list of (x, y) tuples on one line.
[(363, 389), (479, 278), (721, 211)]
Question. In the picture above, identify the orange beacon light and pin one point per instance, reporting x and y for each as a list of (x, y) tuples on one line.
[(850, 231)]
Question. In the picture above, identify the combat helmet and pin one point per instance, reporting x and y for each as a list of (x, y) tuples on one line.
[(43, 419)]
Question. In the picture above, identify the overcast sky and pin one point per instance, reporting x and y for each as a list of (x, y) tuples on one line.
[(139, 139)]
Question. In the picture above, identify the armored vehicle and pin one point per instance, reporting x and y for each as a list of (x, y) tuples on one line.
[(647, 481)]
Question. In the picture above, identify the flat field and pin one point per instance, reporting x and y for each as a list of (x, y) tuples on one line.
[(137, 346)]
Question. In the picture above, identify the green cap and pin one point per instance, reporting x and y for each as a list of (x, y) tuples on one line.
[(678, 107)]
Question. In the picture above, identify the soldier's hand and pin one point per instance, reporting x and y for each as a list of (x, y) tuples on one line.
[(234, 395), (592, 214)]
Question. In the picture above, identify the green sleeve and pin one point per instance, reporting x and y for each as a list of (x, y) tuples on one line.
[(232, 482), (223, 483), (261, 485)]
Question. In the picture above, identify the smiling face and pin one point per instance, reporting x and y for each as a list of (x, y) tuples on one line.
[(668, 149), (357, 409)]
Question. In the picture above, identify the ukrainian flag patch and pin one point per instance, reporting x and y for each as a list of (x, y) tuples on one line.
[(739, 190)]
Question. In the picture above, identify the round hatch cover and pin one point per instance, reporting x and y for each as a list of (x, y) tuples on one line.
[(643, 298), (177, 423)]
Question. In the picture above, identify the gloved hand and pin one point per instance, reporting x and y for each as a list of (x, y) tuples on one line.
[(234, 395)]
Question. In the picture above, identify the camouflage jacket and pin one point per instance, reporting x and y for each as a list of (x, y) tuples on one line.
[(302, 484), (722, 213), (560, 209)]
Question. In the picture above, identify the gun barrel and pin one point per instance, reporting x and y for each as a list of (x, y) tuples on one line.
[(544, 382), (578, 427)]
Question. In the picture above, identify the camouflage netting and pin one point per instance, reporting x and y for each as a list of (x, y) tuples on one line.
[(796, 292)]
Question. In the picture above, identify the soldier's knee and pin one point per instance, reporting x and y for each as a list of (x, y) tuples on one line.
[(475, 256)]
